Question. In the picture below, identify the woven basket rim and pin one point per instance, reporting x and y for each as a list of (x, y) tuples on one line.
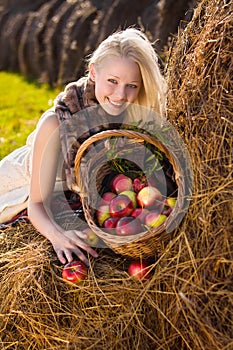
[(136, 136), (156, 233)]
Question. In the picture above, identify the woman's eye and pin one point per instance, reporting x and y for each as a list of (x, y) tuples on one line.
[(132, 86), (113, 81)]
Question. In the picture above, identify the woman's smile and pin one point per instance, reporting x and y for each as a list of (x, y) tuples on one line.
[(117, 83)]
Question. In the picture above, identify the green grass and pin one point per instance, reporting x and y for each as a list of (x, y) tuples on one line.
[(21, 104)]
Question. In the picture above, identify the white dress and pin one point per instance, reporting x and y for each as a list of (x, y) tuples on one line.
[(15, 173)]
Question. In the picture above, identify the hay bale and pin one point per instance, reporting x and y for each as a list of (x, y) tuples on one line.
[(40, 311), (187, 303), (199, 74)]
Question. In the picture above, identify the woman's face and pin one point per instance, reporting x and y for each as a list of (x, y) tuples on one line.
[(117, 83)]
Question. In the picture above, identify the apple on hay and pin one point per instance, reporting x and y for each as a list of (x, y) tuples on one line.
[(139, 270), (74, 272)]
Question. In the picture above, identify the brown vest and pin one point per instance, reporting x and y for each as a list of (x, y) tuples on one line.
[(80, 116)]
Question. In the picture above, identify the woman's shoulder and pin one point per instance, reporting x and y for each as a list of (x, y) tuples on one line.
[(47, 120), (48, 123), (47, 117)]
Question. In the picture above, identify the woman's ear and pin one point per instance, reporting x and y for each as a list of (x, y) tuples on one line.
[(92, 71)]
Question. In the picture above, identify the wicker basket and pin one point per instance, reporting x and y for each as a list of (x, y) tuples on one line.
[(145, 244)]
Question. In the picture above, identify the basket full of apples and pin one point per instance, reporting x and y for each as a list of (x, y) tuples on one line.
[(133, 210)]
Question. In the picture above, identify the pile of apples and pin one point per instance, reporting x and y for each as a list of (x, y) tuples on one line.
[(131, 206)]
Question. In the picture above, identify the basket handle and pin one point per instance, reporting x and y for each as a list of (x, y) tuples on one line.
[(135, 135)]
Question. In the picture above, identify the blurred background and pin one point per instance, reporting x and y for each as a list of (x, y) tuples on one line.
[(48, 40)]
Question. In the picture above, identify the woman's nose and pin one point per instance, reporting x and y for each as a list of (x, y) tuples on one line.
[(120, 92)]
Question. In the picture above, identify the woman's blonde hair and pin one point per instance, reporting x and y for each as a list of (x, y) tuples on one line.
[(133, 43)]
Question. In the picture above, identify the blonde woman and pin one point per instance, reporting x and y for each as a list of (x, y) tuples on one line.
[(122, 71)]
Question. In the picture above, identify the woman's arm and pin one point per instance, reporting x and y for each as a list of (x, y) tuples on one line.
[(45, 156)]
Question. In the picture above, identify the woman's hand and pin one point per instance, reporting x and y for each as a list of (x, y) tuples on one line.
[(68, 243)]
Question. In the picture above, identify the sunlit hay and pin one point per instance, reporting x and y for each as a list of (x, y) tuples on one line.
[(41, 311), (200, 102), (187, 302), (111, 310)]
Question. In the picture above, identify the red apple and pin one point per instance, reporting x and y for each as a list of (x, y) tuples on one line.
[(110, 222), (139, 183), (102, 213), (139, 270), (121, 206), (121, 183), (149, 197), (132, 196), (154, 219), (128, 226), (106, 198), (140, 213), (74, 272), (92, 239), (115, 179)]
